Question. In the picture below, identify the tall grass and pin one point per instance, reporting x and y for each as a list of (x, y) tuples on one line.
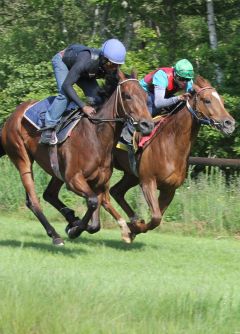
[(203, 205)]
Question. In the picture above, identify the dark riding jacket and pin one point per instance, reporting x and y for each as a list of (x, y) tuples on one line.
[(83, 63)]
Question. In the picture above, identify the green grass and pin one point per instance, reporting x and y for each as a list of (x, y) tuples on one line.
[(162, 283)]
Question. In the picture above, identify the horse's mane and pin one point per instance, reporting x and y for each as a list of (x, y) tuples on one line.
[(107, 88), (201, 82)]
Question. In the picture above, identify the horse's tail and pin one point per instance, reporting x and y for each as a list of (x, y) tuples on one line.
[(2, 151)]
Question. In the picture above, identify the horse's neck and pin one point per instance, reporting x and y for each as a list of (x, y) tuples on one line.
[(182, 129)]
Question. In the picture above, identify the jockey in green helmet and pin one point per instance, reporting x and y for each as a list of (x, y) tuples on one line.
[(164, 82)]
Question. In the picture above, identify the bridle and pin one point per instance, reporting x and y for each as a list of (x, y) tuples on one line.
[(199, 116), (126, 116)]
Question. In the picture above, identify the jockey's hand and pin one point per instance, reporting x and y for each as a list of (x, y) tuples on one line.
[(89, 111), (184, 97)]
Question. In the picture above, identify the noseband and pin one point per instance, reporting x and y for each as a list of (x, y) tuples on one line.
[(199, 116)]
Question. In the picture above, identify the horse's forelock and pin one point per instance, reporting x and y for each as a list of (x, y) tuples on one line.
[(201, 82)]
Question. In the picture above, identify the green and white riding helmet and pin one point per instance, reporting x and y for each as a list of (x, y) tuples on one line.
[(184, 69)]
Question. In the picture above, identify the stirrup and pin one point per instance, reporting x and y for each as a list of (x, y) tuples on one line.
[(49, 138)]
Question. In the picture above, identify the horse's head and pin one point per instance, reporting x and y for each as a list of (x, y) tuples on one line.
[(210, 106), (132, 104)]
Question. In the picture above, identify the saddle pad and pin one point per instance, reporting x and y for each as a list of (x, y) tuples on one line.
[(35, 114), (158, 122)]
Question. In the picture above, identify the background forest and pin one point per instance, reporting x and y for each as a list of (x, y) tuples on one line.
[(156, 33)]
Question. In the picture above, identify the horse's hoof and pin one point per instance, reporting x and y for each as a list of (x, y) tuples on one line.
[(74, 232), (91, 229), (127, 239), (58, 242), (71, 225), (126, 234), (67, 228), (132, 236)]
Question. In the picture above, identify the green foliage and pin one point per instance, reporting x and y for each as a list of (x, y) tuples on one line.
[(156, 34), (202, 201)]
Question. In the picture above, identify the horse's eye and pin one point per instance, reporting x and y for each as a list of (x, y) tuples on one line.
[(126, 96), (207, 101)]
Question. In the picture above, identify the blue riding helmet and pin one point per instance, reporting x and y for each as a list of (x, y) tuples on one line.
[(114, 51)]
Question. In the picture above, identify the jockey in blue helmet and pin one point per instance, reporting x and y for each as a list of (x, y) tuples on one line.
[(81, 65)]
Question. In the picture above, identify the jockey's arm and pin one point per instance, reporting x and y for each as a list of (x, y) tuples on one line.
[(73, 76), (159, 98)]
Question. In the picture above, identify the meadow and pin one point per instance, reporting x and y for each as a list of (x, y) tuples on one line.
[(162, 283), (181, 278)]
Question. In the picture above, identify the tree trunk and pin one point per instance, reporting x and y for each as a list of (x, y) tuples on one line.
[(213, 36)]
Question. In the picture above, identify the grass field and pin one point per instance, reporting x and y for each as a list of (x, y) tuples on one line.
[(162, 283)]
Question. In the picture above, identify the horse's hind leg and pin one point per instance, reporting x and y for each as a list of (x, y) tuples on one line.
[(106, 203), (119, 190), (51, 196), (33, 204)]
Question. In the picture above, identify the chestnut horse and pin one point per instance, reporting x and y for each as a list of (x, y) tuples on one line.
[(164, 160), (85, 158)]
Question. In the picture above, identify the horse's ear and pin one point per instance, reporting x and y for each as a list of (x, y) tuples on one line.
[(121, 75), (195, 88), (134, 74)]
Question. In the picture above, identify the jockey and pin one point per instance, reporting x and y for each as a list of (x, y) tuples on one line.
[(164, 82), (80, 65)]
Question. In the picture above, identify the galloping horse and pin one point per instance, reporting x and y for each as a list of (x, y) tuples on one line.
[(164, 160), (85, 158)]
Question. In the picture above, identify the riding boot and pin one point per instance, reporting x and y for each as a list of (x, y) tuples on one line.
[(48, 136)]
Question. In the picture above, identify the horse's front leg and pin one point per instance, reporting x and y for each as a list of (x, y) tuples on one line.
[(95, 224), (150, 193), (79, 186), (165, 198), (157, 206), (51, 196), (125, 231), (32, 202)]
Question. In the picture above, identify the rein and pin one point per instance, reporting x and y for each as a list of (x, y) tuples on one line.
[(195, 113), (118, 119)]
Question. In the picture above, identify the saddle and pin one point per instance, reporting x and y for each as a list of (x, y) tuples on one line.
[(35, 115)]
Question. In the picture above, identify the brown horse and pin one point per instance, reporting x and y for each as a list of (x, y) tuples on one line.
[(164, 160), (85, 158)]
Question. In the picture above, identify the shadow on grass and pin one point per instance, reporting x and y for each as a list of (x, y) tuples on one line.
[(64, 250), (116, 244), (94, 240), (41, 247)]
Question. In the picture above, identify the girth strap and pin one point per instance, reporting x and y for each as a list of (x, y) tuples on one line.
[(53, 155)]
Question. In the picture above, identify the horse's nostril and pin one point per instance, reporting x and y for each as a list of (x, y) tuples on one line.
[(228, 123), (146, 127)]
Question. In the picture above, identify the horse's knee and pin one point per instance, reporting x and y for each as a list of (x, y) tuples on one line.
[(92, 203)]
